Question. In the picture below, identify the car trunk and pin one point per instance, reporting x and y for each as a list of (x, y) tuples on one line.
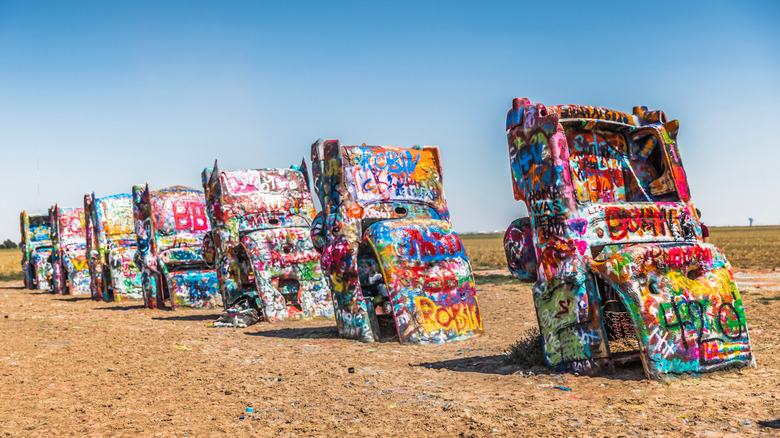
[(683, 306), (287, 274), (430, 286), (125, 276), (190, 283)]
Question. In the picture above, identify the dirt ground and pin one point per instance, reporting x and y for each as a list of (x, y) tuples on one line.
[(71, 366)]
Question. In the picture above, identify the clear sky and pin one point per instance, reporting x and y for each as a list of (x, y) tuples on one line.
[(109, 94)]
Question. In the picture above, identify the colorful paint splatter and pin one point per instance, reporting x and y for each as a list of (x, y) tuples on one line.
[(170, 225), (615, 246), (397, 268), (36, 250), (69, 254), (111, 248), (261, 242)]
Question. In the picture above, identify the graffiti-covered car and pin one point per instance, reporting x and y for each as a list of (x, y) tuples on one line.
[(70, 272), (615, 246), (36, 250), (111, 248), (397, 267), (263, 251), (170, 225)]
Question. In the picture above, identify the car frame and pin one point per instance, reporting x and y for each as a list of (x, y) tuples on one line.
[(615, 246), (36, 250), (261, 243), (170, 225), (111, 248), (70, 270), (397, 268)]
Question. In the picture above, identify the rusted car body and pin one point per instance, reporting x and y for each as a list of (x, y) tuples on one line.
[(397, 267), (70, 271), (615, 246), (36, 250), (260, 236), (111, 248), (170, 225)]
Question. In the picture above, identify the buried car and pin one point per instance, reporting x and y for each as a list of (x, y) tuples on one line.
[(70, 272), (111, 248), (614, 244), (170, 225), (261, 246), (397, 268), (36, 250)]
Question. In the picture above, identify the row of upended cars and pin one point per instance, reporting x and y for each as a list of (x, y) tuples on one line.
[(612, 243)]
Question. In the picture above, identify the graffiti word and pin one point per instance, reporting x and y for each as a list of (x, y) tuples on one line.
[(592, 112), (430, 246), (190, 216), (389, 161), (677, 257), (694, 315), (459, 317), (655, 220)]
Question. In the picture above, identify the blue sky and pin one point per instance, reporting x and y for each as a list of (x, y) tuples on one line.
[(107, 94)]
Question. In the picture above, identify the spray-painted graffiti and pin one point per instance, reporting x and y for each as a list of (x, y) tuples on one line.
[(428, 278), (519, 249), (70, 271), (652, 219), (579, 112), (381, 174), (288, 274), (36, 250), (686, 302), (111, 248), (261, 242), (394, 261), (170, 225), (192, 288), (596, 165), (617, 249)]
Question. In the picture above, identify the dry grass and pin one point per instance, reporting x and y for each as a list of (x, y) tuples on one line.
[(10, 260), (10, 264), (527, 351), (749, 247), (745, 247), (486, 251)]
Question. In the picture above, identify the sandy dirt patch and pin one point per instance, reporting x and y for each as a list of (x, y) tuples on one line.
[(71, 366)]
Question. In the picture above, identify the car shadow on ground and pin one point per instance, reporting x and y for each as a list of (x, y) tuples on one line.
[(195, 317), (299, 333), (72, 299), (772, 424), (125, 308), (473, 364), (495, 365)]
